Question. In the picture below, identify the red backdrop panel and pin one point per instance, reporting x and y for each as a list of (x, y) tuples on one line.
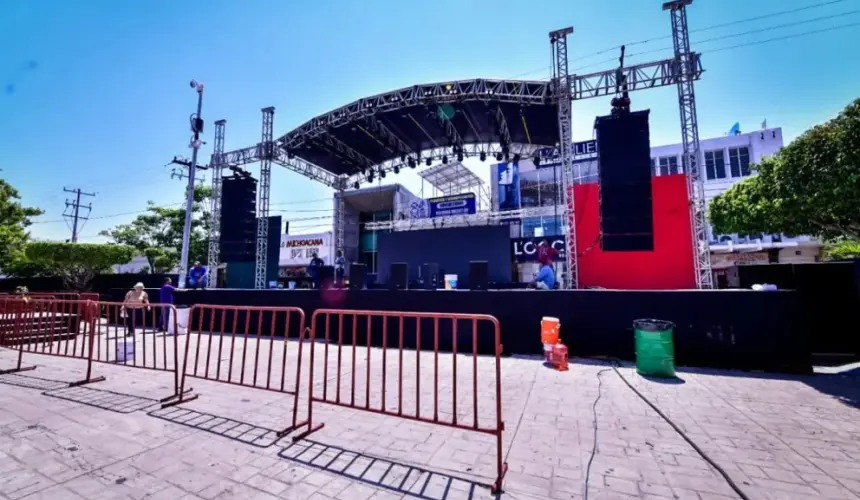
[(669, 266)]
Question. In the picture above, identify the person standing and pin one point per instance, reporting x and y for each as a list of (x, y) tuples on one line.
[(314, 268), (166, 296), (339, 267), (197, 277), (546, 253), (132, 309)]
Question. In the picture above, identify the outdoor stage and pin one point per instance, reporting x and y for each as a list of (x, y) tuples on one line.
[(738, 329)]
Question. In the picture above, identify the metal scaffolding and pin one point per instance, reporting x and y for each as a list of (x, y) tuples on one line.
[(215, 212), (263, 192), (687, 67)]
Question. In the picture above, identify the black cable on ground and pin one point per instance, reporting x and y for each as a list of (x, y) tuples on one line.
[(669, 421), (594, 425)]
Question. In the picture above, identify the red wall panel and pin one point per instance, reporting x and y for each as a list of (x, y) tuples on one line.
[(669, 266)]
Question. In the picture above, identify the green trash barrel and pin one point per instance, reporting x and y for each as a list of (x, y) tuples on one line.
[(655, 348)]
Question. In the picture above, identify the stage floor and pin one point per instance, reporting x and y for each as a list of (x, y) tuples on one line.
[(739, 329)]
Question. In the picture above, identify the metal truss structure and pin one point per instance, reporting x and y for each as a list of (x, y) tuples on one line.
[(263, 191), (681, 70), (487, 218), (215, 212), (562, 87), (687, 66)]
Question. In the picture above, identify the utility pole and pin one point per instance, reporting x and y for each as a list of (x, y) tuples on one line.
[(181, 173), (196, 130), (76, 210)]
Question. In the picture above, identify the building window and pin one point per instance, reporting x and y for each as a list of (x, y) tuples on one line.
[(668, 165), (653, 166), (715, 164), (739, 161)]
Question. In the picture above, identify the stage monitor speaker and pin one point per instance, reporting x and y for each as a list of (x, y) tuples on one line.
[(325, 277), (357, 275), (479, 271), (398, 278), (624, 157), (430, 275)]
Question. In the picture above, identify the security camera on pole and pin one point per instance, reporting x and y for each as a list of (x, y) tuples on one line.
[(196, 130)]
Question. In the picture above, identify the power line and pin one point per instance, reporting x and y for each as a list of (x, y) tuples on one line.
[(75, 206)]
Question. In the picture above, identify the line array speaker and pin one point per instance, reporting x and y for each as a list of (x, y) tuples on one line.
[(626, 209), (238, 219)]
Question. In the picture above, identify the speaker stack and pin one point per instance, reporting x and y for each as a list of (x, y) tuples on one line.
[(626, 213), (238, 219)]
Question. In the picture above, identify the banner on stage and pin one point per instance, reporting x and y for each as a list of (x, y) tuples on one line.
[(526, 249), (584, 150), (508, 176), (299, 249), (443, 206)]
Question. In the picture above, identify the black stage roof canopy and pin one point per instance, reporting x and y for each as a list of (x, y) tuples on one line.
[(398, 126)]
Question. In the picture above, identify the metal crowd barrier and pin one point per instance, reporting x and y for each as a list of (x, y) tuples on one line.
[(376, 386), (47, 327), (211, 326)]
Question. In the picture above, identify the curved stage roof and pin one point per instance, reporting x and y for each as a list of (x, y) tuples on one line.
[(398, 125)]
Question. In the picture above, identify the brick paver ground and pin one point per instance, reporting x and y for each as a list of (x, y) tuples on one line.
[(777, 437)]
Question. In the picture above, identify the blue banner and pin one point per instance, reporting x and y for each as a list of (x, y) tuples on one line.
[(458, 204), (509, 185)]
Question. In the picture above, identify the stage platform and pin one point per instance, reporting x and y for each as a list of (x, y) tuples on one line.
[(738, 329)]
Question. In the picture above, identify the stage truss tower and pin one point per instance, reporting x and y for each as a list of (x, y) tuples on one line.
[(687, 67), (215, 212), (561, 85), (263, 190)]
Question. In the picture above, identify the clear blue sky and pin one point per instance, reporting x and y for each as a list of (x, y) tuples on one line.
[(95, 93)]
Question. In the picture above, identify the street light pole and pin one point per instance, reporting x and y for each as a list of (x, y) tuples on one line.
[(196, 128)]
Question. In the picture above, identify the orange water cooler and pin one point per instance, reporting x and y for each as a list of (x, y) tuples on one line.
[(549, 332)]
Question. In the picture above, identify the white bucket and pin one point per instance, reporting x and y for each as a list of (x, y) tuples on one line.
[(181, 321), (292, 285), (450, 282), (124, 350)]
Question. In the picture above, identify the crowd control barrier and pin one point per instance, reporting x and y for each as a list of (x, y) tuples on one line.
[(46, 327), (255, 361), (407, 401)]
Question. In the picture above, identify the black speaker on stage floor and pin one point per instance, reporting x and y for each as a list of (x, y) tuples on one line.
[(624, 157), (325, 277), (430, 275), (357, 275), (479, 271), (398, 278), (238, 219)]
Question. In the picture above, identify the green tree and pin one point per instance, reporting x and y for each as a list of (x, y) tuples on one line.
[(811, 186), (157, 234), (14, 220), (77, 263)]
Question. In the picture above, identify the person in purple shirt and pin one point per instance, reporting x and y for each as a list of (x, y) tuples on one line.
[(166, 296)]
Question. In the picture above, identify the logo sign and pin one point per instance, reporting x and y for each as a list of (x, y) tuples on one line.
[(526, 249), (458, 204), (585, 150), (298, 250)]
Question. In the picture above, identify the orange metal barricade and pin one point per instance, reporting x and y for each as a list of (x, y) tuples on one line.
[(213, 326), (375, 324), (47, 327), (135, 337)]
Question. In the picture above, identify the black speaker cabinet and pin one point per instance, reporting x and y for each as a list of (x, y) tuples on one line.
[(325, 277), (479, 271), (357, 276), (398, 278), (430, 275)]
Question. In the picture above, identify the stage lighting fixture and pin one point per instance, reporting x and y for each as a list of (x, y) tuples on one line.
[(356, 185), (516, 158), (396, 169), (444, 160), (499, 156), (428, 162), (411, 163), (460, 156), (382, 174), (483, 156), (402, 158), (537, 160)]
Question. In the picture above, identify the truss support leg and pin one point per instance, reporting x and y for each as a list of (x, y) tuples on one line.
[(215, 217), (340, 220), (686, 66), (263, 190), (561, 81)]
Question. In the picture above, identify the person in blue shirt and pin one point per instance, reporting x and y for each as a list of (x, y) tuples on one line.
[(313, 268), (339, 268), (545, 279), (197, 276), (166, 298)]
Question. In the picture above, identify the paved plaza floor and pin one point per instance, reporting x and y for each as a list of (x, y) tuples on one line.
[(776, 437)]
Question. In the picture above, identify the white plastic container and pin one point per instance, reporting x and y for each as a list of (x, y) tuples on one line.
[(450, 282), (181, 321), (124, 350)]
